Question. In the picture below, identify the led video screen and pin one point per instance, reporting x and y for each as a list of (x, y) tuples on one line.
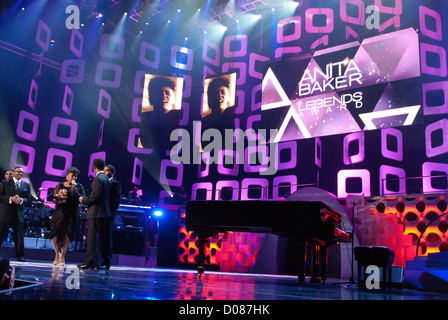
[(358, 86)]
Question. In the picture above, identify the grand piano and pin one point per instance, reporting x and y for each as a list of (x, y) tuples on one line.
[(301, 221)]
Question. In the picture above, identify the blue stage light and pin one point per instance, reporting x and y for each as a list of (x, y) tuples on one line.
[(158, 213)]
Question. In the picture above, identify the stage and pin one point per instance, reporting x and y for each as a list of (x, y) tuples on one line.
[(43, 281)]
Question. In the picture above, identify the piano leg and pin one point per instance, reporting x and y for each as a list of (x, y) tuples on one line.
[(301, 257), (314, 278), (201, 256), (323, 262)]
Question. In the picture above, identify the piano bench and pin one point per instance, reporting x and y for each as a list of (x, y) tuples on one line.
[(381, 257)]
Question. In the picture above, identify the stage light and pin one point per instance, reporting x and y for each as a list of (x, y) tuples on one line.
[(178, 10), (100, 15), (125, 13), (158, 213)]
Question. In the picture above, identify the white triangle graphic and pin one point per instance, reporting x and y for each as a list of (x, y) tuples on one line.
[(273, 94)]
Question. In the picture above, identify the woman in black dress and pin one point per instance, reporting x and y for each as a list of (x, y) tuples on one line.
[(64, 217)]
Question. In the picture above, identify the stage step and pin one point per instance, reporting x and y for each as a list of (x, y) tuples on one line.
[(428, 273)]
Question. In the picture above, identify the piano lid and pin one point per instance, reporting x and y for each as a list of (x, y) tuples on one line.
[(316, 194)]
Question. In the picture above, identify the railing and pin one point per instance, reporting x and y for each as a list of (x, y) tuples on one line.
[(385, 192)]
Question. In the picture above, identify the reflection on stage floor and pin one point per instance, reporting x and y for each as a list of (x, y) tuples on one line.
[(125, 283)]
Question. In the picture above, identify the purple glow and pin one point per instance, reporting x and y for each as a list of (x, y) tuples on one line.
[(144, 48), (68, 64), (211, 47), (104, 96), (30, 136), (67, 103), (71, 139), (423, 13), (164, 165), (240, 70), (76, 35), (254, 152), (32, 96), (292, 162), (204, 161), (360, 19), (357, 158), (297, 21), (207, 186), (234, 171), (138, 167), (253, 59), (101, 67), (52, 153), (397, 9), (291, 180), (43, 36), (108, 41), (398, 173), (427, 169), (440, 71), (254, 183), (391, 154), (235, 185), (228, 53), (16, 158), (136, 107), (435, 86), (329, 18), (431, 151), (132, 147), (363, 174)]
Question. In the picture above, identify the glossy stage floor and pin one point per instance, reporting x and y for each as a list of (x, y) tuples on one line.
[(43, 281)]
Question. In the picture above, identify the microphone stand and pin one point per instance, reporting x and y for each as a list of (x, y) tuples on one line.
[(352, 279)]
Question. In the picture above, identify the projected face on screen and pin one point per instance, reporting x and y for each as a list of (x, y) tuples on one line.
[(219, 94), (349, 88), (161, 94), (161, 111)]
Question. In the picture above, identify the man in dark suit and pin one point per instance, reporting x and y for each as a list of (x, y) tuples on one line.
[(115, 190), (98, 219), (14, 195)]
